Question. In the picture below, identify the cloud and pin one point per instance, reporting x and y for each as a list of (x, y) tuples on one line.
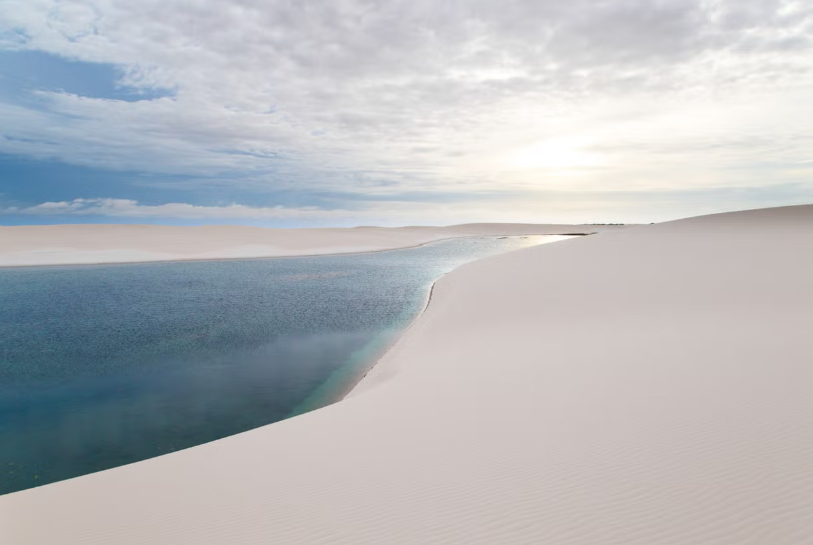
[(127, 208), (361, 96), (555, 206)]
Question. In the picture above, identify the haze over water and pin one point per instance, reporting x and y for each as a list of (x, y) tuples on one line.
[(102, 366)]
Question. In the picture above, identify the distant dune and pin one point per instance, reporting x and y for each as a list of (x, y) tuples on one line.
[(87, 244), (646, 386)]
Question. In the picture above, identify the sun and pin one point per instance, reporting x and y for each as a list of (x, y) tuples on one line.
[(555, 154)]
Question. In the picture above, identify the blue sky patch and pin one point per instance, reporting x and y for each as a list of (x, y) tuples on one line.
[(24, 72), (28, 182)]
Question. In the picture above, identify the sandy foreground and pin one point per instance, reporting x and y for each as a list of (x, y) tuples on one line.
[(648, 386), (89, 244)]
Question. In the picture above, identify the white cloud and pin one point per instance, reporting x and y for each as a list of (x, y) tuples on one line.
[(431, 96), (551, 207), (128, 208)]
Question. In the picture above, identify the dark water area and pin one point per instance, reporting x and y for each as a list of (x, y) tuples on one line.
[(102, 366)]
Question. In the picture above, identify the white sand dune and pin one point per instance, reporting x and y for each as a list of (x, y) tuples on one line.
[(649, 386), (87, 244)]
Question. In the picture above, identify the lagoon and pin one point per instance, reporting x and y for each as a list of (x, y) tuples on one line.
[(107, 365)]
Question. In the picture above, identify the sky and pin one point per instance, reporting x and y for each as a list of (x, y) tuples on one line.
[(363, 112)]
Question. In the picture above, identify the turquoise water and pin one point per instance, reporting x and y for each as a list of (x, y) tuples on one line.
[(102, 366)]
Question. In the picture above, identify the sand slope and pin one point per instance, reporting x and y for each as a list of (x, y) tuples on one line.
[(642, 387), (84, 244)]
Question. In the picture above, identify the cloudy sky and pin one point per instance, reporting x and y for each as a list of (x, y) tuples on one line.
[(347, 112)]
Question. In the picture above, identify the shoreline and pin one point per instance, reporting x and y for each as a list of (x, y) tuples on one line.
[(396, 337), (8, 257), (394, 341), (293, 256)]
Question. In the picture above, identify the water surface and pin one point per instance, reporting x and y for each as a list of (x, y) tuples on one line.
[(102, 366)]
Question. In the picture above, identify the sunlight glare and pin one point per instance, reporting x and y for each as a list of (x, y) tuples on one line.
[(555, 154)]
